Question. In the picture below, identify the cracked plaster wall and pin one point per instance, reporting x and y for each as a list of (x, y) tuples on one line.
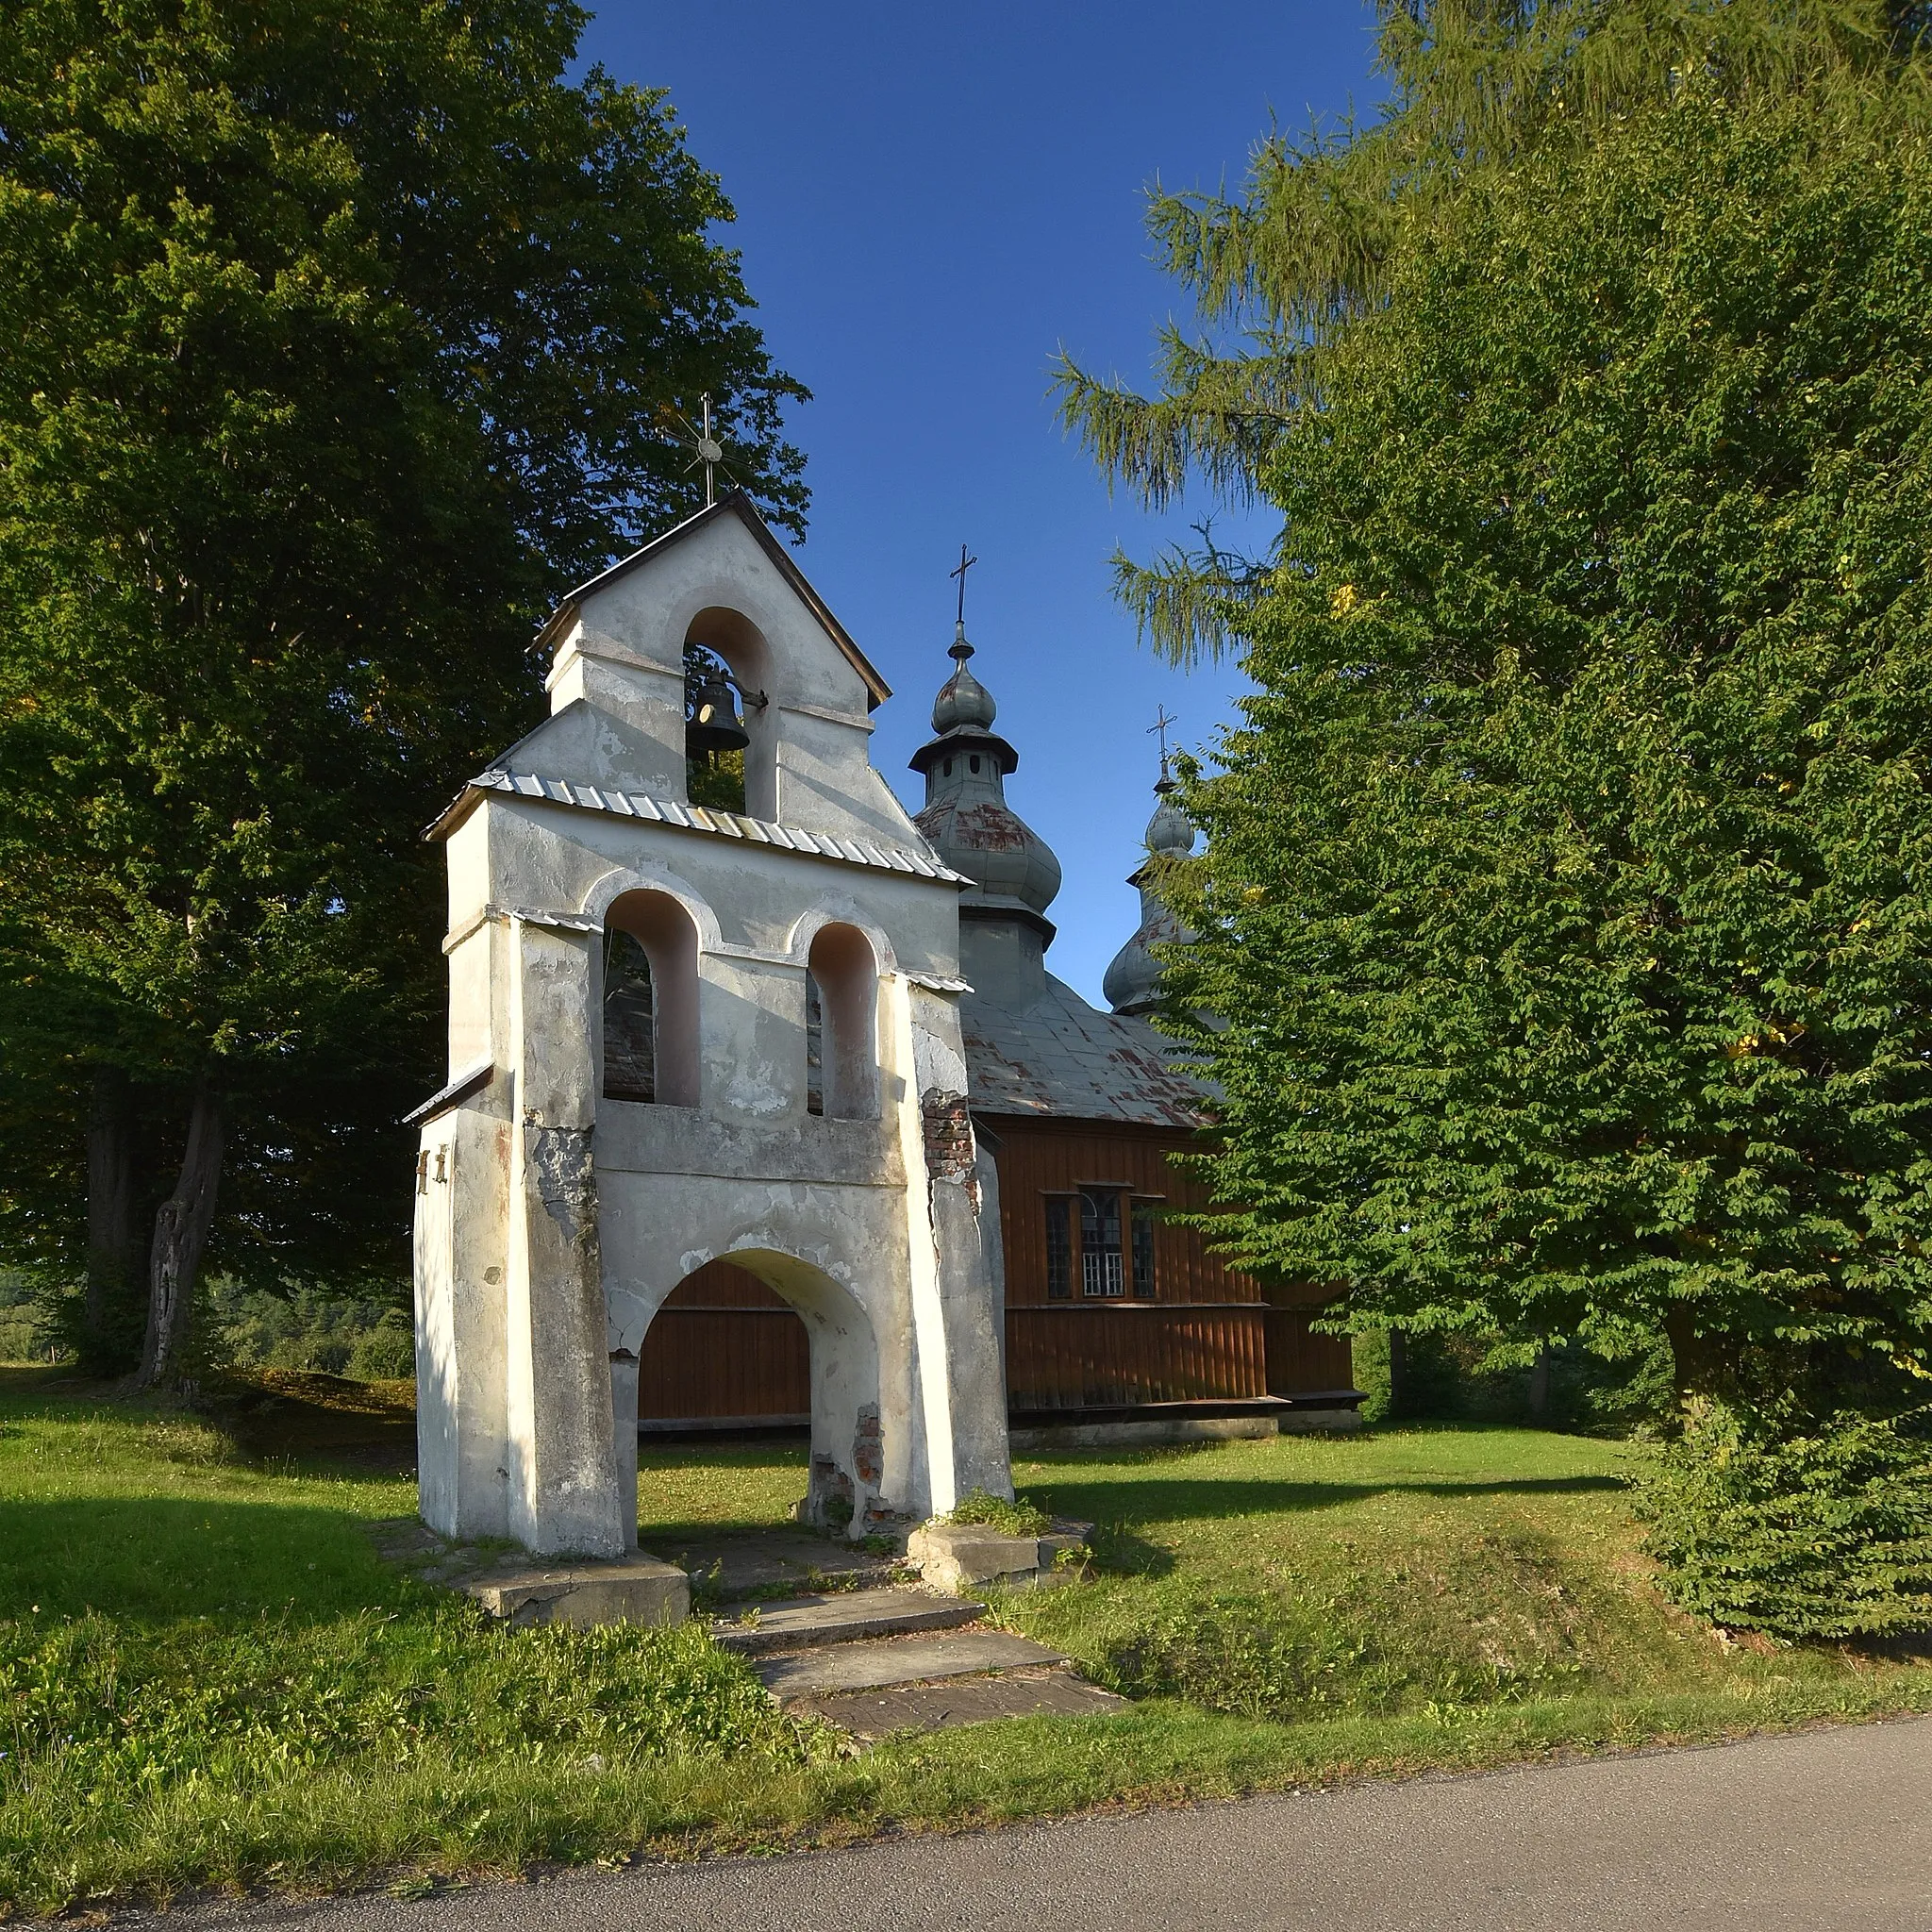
[(538, 1272)]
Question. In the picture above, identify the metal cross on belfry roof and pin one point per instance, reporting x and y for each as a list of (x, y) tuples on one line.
[(966, 563), (1160, 724), (710, 450)]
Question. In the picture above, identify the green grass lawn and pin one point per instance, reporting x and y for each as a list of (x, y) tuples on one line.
[(209, 1679)]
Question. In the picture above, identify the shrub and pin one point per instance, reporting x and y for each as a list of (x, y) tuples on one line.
[(25, 1334), (320, 1334), (996, 1512), (1769, 1522)]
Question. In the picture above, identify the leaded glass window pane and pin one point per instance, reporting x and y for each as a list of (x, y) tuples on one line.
[(1059, 1251), (1144, 1250), (1101, 1270), (630, 1043)]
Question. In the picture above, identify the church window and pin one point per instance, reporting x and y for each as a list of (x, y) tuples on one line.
[(630, 1025), (1102, 1274), (1143, 1213), (841, 1026), (1059, 1250), (973, 761), (814, 1047), (650, 1000), (949, 767)]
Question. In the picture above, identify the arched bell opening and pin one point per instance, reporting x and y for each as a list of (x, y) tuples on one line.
[(841, 1055), (732, 745), (759, 1340), (650, 1001)]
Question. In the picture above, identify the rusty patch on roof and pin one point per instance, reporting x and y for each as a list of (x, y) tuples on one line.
[(1061, 1057), (987, 827)]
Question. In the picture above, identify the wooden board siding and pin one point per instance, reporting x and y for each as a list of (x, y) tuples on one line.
[(1209, 1334), (1100, 1355), (1035, 1158), (1300, 1361), (723, 1344)]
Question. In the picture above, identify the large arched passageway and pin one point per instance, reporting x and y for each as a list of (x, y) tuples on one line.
[(758, 1338), (725, 1353)]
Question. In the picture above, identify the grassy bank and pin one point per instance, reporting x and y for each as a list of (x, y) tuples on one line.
[(209, 1678)]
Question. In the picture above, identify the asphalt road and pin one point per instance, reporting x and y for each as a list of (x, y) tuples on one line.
[(1826, 1829)]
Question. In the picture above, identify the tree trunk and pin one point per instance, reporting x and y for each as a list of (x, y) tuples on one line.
[(1539, 1382), (180, 1233), (1398, 1373), (1697, 1361), (111, 1313)]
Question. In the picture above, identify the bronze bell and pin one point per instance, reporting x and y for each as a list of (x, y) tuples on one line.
[(714, 724)]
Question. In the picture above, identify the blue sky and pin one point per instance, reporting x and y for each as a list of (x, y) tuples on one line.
[(930, 202)]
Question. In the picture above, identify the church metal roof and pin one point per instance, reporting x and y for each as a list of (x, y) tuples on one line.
[(687, 818), (1060, 1059)]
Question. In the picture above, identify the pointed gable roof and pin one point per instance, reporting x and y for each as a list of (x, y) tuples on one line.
[(733, 503)]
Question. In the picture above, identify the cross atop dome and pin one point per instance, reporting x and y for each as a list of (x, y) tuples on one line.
[(962, 649), (966, 818)]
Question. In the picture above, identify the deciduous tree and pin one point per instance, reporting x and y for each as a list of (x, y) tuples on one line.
[(338, 339), (1565, 904)]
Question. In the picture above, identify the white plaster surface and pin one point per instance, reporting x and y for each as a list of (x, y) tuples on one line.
[(566, 1219)]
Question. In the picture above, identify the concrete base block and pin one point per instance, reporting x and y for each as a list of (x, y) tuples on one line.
[(1308, 1422), (1055, 1437), (959, 1558), (634, 1590)]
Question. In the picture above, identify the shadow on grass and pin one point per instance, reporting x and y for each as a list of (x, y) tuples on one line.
[(293, 1420), (164, 1559), (1129, 1499)]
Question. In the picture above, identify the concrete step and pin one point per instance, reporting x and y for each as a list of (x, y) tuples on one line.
[(637, 1588), (737, 1563), (1034, 1691), (880, 1664), (842, 1617)]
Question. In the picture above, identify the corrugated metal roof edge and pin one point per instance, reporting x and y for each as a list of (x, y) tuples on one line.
[(689, 818)]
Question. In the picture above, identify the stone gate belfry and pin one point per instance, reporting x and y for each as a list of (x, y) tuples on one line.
[(681, 1033)]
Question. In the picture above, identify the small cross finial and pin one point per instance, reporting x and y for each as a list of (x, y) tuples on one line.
[(1160, 727), (710, 450), (966, 563)]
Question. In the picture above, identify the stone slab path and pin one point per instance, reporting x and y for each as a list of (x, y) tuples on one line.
[(739, 1563), (869, 1649), (845, 1617), (1025, 1691), (1825, 1831), (879, 1666)]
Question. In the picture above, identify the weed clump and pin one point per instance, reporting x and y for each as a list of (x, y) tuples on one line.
[(996, 1513)]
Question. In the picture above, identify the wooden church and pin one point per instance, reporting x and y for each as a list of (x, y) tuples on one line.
[(1119, 1325)]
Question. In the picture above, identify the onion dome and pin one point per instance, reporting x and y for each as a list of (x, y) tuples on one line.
[(963, 702), (967, 820), (1133, 979)]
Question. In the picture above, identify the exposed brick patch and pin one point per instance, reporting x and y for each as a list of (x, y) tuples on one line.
[(948, 1136), (828, 1503), (868, 1449)]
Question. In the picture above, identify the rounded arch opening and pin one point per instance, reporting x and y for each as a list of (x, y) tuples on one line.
[(650, 1000), (842, 1058), (757, 1339), (732, 636)]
